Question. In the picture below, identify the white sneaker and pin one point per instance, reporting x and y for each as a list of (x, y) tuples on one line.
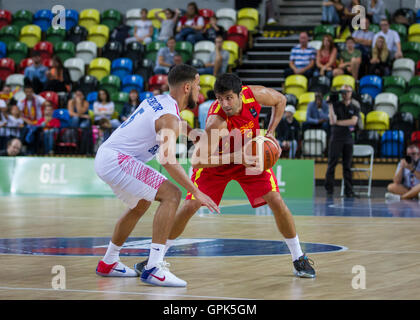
[(117, 269), (392, 196), (161, 276)]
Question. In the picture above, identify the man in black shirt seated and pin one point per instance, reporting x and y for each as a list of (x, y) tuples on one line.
[(343, 117)]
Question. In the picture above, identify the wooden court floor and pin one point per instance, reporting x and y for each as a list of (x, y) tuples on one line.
[(387, 248)]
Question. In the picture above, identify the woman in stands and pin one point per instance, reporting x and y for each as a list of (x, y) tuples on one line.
[(131, 105), (78, 109), (143, 28), (191, 25), (167, 26), (58, 77), (326, 57), (104, 110), (379, 64)]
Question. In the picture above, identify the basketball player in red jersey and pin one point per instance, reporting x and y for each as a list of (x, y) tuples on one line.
[(238, 107)]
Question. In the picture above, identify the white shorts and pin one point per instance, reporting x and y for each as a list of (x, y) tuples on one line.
[(130, 179)]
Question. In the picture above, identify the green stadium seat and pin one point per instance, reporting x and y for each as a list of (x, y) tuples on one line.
[(111, 83), (119, 99), (414, 85), (401, 29), (321, 30), (22, 18), (17, 51), (185, 49), (152, 49), (55, 35), (411, 50), (64, 50), (394, 84), (9, 34), (410, 102), (374, 28), (111, 18)]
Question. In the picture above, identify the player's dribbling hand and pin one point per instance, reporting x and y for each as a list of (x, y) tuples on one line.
[(207, 201), (271, 136)]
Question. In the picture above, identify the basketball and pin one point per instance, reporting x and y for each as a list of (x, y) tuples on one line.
[(266, 150)]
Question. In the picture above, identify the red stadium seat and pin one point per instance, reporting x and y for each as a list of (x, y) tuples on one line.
[(5, 18), (157, 81), (239, 34), (45, 48), (24, 64), (50, 96), (418, 68), (206, 14), (415, 138), (7, 67), (47, 62)]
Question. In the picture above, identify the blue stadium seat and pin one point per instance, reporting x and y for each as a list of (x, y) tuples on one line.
[(132, 82), (2, 49), (91, 98), (371, 85), (392, 144), (122, 67), (72, 18), (418, 16), (64, 117), (145, 95), (42, 18)]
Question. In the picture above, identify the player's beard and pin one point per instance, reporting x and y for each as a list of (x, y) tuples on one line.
[(191, 104)]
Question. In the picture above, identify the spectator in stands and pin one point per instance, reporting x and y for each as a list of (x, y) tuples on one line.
[(37, 73), (317, 114), (178, 59), (343, 117), (78, 109), (191, 25), (104, 109), (14, 148), (346, 17), (363, 38), (167, 26), (49, 126), (157, 92), (302, 58), (330, 11), (3, 124), (31, 105), (350, 60), (6, 94), (143, 28), (164, 88), (375, 10), (213, 30), (406, 184), (392, 40), (58, 77), (14, 120), (165, 57), (379, 64), (287, 132), (203, 109), (326, 57), (218, 61), (131, 105)]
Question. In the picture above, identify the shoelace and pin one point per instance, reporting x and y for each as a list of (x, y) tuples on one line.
[(306, 259)]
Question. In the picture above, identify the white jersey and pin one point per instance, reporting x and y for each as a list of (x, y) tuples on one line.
[(137, 136)]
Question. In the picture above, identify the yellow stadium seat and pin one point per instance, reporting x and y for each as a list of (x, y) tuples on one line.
[(99, 68), (233, 48), (206, 83), (89, 18), (345, 34), (300, 115), (362, 115), (248, 17), (188, 116), (151, 17), (30, 35), (305, 99), (99, 34), (296, 84), (414, 33), (377, 120), (343, 79)]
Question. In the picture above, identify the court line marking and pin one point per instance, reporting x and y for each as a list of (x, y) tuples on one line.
[(384, 251), (123, 292)]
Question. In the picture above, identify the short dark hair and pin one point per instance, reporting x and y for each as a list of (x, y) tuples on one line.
[(227, 82), (350, 38), (180, 74)]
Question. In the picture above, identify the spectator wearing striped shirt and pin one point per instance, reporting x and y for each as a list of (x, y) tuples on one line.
[(302, 58)]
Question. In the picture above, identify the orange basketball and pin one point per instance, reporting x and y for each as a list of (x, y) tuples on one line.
[(266, 150)]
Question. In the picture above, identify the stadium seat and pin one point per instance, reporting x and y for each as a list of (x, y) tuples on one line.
[(197, 63), (72, 18), (206, 14), (55, 35), (346, 33), (111, 18), (152, 49), (226, 17), (414, 33), (321, 30), (151, 17), (22, 18), (134, 81), (366, 103), (206, 83), (77, 34), (52, 97), (145, 69), (145, 95), (316, 44), (45, 48), (291, 99), (112, 50), (387, 102), (122, 67), (9, 34), (300, 116), (404, 68), (392, 144), (47, 63), (203, 49), (119, 99), (418, 68), (99, 68), (131, 16), (418, 16), (401, 30), (110, 83), (403, 121), (414, 85), (371, 85), (87, 84), (377, 120), (15, 80), (248, 17), (370, 137), (31, 35), (314, 142), (86, 50), (185, 49), (7, 67), (188, 116), (42, 18), (24, 64), (411, 50), (157, 81), (415, 138), (238, 34), (76, 68), (64, 50), (374, 28), (305, 99), (135, 52), (344, 79), (320, 84), (5, 18), (64, 117), (98, 34), (3, 49), (410, 102), (17, 51), (91, 97), (89, 18), (233, 49), (394, 84), (296, 85)]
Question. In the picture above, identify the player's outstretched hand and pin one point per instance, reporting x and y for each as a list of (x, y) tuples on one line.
[(207, 201)]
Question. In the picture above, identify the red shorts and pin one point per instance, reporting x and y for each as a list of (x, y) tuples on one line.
[(213, 181)]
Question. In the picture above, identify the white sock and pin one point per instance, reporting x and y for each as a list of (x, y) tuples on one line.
[(169, 244), (294, 247), (112, 254), (157, 252)]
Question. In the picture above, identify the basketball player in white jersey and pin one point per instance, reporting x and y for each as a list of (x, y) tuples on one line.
[(120, 162)]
